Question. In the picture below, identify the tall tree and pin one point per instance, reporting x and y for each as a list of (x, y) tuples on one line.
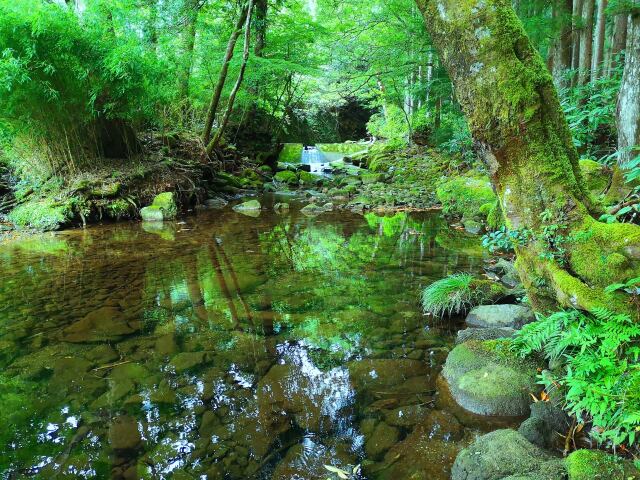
[(619, 40), (628, 118), (517, 122), (586, 42), (561, 50), (222, 78), (598, 45)]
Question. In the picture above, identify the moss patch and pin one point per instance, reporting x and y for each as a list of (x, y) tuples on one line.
[(467, 197), (595, 464), (291, 153), (41, 214)]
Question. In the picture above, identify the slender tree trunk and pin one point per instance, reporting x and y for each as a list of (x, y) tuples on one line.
[(619, 40), (261, 27), (222, 78), (232, 96), (628, 112), (586, 42), (576, 26), (598, 48), (188, 45), (516, 119)]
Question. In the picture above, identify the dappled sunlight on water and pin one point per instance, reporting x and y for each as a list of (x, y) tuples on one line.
[(226, 346)]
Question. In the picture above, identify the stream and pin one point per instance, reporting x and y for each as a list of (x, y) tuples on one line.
[(230, 347)]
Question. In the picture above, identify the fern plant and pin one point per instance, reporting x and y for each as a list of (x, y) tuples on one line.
[(600, 378)]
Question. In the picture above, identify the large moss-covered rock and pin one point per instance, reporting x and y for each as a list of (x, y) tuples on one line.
[(490, 333), (164, 207), (546, 425), (41, 214), (506, 454), (465, 197), (596, 176), (287, 176), (310, 178), (595, 464), (486, 378)]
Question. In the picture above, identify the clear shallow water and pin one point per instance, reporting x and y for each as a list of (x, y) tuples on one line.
[(227, 346)]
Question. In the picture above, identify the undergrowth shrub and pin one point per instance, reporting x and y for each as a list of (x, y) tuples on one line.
[(600, 374)]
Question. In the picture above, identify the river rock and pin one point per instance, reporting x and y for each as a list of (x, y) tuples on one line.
[(406, 416), (281, 207), (124, 434), (506, 454), (545, 425), (105, 323), (512, 316), (307, 461), (368, 375), (216, 202), (163, 208), (187, 360), (490, 333), (249, 205), (487, 379), (312, 209), (382, 439)]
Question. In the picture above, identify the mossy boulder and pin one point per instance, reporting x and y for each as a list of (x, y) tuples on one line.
[(369, 178), (106, 190), (249, 206), (512, 316), (310, 178), (595, 464), (596, 176), (41, 214), (286, 176), (163, 208), (466, 197), (506, 454), (486, 378)]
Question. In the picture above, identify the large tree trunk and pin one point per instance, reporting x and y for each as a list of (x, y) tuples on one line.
[(575, 37), (586, 42), (261, 27), (598, 48), (236, 87), (222, 78), (628, 117), (515, 116)]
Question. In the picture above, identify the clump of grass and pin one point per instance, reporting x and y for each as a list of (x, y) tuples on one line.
[(459, 293)]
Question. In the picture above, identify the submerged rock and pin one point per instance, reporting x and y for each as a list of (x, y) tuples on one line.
[(281, 207), (513, 316), (382, 439), (506, 454), (124, 434), (312, 209), (488, 379), (106, 323), (216, 202), (251, 208)]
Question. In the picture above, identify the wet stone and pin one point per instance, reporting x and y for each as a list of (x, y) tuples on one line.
[(381, 439), (124, 433)]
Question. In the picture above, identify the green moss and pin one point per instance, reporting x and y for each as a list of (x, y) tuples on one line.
[(310, 178), (41, 214), (466, 197), (595, 176), (118, 209), (287, 176), (291, 153), (106, 190), (346, 148), (167, 204), (595, 464)]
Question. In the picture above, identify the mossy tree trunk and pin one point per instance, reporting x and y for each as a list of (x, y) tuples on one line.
[(515, 116)]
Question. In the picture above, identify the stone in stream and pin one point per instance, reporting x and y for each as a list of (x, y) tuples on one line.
[(489, 333), (512, 316), (124, 434), (312, 209), (546, 425), (382, 439), (307, 461), (281, 207), (106, 323), (486, 378), (163, 208), (216, 202), (506, 454), (251, 208)]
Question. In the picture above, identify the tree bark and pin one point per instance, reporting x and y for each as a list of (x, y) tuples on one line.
[(619, 40), (261, 27), (562, 48), (586, 42), (232, 96), (518, 125), (222, 78), (628, 110), (575, 37), (598, 48)]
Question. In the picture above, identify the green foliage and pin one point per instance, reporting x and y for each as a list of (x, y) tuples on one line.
[(505, 240), (458, 293), (465, 196), (41, 214), (600, 379)]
